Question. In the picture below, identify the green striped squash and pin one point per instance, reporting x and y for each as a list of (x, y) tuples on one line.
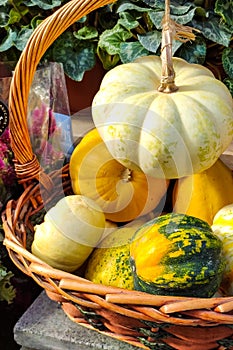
[(177, 254)]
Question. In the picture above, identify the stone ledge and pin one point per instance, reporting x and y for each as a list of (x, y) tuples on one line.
[(45, 326)]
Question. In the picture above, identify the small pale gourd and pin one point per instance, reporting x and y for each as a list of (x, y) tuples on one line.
[(70, 231), (170, 134)]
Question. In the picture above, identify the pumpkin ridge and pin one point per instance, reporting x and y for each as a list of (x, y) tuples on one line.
[(203, 124), (151, 72)]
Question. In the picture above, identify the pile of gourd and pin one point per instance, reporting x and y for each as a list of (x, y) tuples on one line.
[(152, 207)]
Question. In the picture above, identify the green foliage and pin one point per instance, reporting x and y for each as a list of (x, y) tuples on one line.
[(123, 31), (7, 291)]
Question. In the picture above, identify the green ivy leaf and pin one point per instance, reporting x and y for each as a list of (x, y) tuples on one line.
[(129, 6), (201, 12), (227, 61), (176, 44), (108, 61), (36, 21), (224, 9), (9, 40), (15, 17), (229, 84), (129, 51), (82, 20), (159, 4), (127, 21), (3, 2), (185, 17), (86, 33), (156, 18), (180, 14), (23, 37), (180, 10), (212, 29), (4, 19), (7, 291), (111, 39), (150, 41), (75, 65), (76, 56), (43, 4), (193, 52)]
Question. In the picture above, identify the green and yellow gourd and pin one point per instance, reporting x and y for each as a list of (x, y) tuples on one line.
[(109, 263), (177, 254)]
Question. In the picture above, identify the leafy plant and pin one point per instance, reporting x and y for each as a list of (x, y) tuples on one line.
[(120, 32), (7, 290), (137, 32)]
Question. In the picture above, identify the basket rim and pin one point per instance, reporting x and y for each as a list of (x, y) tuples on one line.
[(67, 284)]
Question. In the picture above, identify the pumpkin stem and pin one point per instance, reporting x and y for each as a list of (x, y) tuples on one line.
[(168, 74), (126, 175), (171, 30)]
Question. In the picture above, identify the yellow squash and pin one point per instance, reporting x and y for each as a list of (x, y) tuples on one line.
[(122, 193), (223, 228), (202, 195)]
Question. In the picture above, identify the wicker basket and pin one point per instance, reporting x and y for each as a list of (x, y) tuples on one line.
[(144, 320)]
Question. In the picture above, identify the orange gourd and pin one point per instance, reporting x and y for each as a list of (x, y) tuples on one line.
[(122, 193)]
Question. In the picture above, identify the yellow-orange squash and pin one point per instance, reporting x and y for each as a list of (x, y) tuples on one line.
[(123, 194), (202, 195), (223, 228)]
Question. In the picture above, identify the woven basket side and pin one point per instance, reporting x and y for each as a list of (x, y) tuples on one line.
[(41, 39)]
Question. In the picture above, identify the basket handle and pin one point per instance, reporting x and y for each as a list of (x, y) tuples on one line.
[(27, 166)]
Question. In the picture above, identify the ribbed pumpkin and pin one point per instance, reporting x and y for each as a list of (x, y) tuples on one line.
[(170, 133), (203, 195), (177, 254), (123, 194)]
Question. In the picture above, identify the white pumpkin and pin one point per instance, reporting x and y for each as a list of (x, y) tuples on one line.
[(167, 135)]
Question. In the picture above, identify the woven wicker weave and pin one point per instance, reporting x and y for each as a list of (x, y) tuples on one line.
[(144, 320)]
